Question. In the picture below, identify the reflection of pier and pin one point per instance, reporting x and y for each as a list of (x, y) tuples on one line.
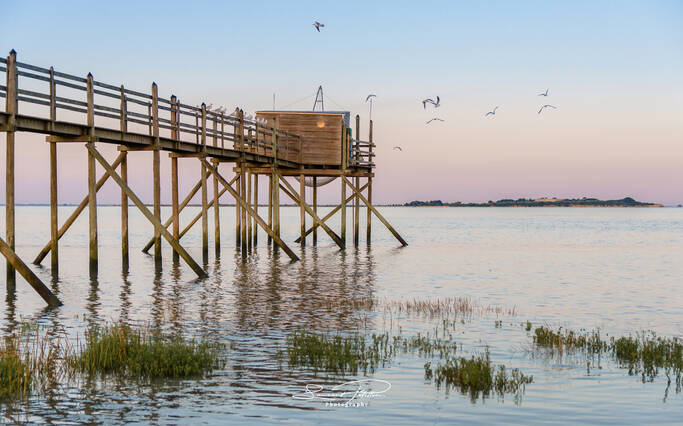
[(276, 144)]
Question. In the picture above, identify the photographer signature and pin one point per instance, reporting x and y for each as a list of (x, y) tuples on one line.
[(348, 394)]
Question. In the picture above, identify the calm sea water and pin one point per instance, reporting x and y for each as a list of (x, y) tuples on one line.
[(620, 270)]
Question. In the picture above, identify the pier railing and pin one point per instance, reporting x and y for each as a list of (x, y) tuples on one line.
[(362, 154), (86, 100)]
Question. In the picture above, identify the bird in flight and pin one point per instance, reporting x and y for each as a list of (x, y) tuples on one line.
[(434, 119), (370, 96), (491, 112), (398, 148), (318, 25), (431, 101), (546, 106), (544, 93)]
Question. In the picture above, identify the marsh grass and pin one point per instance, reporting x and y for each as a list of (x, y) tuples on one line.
[(125, 351), (644, 354), (16, 374), (477, 377), (354, 353)]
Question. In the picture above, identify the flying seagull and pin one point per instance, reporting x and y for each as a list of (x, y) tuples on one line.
[(370, 96), (431, 101), (491, 112), (544, 93), (434, 119), (546, 106), (318, 25), (398, 148)]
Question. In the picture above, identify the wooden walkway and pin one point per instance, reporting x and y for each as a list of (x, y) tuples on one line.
[(69, 108)]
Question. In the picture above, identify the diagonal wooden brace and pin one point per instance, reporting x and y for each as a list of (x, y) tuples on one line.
[(199, 215), (28, 275), (330, 214), (67, 224), (315, 217), (185, 202), (374, 210), (145, 211), (243, 204)]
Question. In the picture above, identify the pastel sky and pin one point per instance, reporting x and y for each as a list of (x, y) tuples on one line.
[(613, 69)]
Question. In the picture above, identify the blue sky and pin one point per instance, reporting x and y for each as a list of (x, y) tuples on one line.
[(615, 69)]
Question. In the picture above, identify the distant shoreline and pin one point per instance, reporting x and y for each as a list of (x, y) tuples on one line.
[(540, 202)]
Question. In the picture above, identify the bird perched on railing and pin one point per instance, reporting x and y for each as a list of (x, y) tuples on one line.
[(431, 101), (546, 106), (318, 25)]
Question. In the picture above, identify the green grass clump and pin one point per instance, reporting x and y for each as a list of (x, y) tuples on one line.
[(350, 354), (564, 340), (477, 377), (16, 374), (647, 353), (120, 349), (336, 353)]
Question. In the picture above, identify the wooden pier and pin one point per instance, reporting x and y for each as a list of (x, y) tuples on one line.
[(275, 144)]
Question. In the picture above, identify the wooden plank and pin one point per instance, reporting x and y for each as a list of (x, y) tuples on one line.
[(356, 202), (29, 276), (379, 216), (145, 211), (199, 215), (54, 219), (343, 210), (255, 208), (270, 205), (256, 217), (205, 208), (315, 217), (84, 203)]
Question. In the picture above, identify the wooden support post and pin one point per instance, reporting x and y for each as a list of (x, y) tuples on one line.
[(205, 221), (343, 210), (356, 201), (29, 276), (205, 225), (374, 210), (243, 218), (124, 210), (84, 203), (145, 211), (276, 203), (92, 188), (270, 204), (250, 203), (315, 209), (368, 223), (11, 107), (238, 216), (175, 211), (329, 215), (216, 212), (156, 171), (316, 219), (256, 217), (54, 215), (256, 206), (302, 209)]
